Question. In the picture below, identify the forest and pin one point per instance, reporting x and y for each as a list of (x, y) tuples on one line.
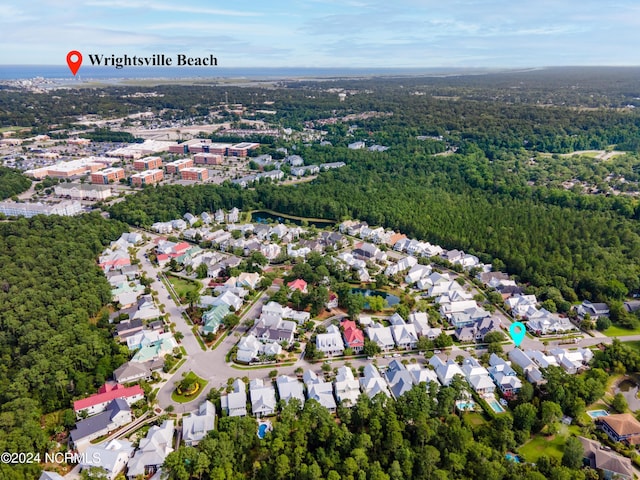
[(572, 242), (12, 182), (55, 343)]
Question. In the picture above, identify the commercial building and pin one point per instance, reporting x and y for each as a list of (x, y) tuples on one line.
[(148, 177), (241, 149), (107, 176), (79, 191), (147, 163), (177, 165), (194, 173), (69, 169), (15, 209), (207, 159)]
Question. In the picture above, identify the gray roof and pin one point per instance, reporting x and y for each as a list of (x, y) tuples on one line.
[(99, 422), (50, 476), (196, 426)]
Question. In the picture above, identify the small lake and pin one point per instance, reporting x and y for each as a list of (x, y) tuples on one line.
[(391, 299), (629, 389), (267, 217)]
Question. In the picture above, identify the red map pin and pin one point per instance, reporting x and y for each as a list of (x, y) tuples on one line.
[(74, 60)]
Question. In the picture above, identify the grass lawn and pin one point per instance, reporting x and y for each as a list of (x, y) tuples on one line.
[(551, 446), (176, 397), (474, 419), (183, 286), (615, 331)]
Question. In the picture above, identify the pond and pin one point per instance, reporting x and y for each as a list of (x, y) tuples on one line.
[(629, 389), (391, 299), (267, 217)]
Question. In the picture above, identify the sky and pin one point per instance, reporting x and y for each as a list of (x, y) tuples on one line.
[(328, 33)]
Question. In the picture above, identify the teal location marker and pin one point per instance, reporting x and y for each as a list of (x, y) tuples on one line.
[(517, 331)]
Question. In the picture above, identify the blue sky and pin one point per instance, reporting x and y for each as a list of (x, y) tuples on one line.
[(328, 33)]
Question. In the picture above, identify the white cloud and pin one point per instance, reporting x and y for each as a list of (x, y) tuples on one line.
[(163, 7)]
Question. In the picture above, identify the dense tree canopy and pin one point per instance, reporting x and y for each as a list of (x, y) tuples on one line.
[(51, 350)]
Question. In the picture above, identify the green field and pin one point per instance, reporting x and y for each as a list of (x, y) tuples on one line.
[(182, 286), (615, 331), (552, 447)]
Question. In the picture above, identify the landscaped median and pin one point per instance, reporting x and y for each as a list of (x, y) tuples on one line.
[(188, 388)]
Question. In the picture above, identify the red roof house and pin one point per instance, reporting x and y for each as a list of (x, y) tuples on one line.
[(298, 284), (353, 336), (109, 391)]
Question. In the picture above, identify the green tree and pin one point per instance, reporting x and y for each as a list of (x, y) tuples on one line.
[(619, 403), (376, 303), (573, 453)]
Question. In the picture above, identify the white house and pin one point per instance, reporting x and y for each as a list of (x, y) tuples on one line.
[(382, 336), (290, 388), (263, 398), (319, 390), (372, 382), (346, 387), (152, 451), (405, 336), (235, 403), (112, 457), (478, 377), (196, 426), (445, 371), (330, 343)]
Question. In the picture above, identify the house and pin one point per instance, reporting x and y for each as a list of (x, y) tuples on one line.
[(382, 336), (298, 284), (106, 394), (421, 375), (504, 376), (196, 426), (594, 310), (330, 343), (290, 388), (543, 322), (152, 451), (213, 319), (319, 390), (372, 382), (445, 371), (156, 350), (233, 216), (399, 379), (111, 457), (478, 330), (522, 305), (270, 329), (235, 403), (127, 328), (232, 301), (132, 372), (117, 414), (478, 377), (346, 387), (405, 336), (333, 301), (248, 280), (142, 339), (263, 398), (608, 463), (353, 336), (416, 273), (248, 349), (622, 427), (573, 361), (531, 370)]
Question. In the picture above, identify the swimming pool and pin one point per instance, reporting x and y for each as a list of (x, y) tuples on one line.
[(465, 405), (512, 458), (597, 413), (262, 430), (496, 406)]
